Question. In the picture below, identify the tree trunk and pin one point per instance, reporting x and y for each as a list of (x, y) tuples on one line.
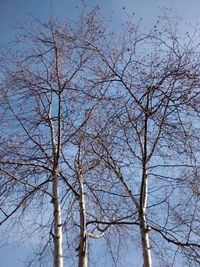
[(144, 229), (57, 235), (145, 242), (83, 248)]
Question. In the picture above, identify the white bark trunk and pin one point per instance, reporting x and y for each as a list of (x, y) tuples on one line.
[(145, 242), (57, 235), (144, 229), (83, 248), (83, 252)]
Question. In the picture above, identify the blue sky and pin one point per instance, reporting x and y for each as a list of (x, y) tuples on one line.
[(12, 11)]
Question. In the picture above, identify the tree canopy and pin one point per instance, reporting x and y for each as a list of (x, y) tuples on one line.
[(99, 147)]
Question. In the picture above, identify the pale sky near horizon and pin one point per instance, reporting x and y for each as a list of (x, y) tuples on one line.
[(16, 10)]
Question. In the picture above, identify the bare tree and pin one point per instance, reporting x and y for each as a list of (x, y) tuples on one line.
[(153, 141), (105, 128), (46, 99)]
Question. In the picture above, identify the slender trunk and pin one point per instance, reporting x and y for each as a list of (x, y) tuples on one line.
[(56, 145), (83, 248), (144, 229), (57, 235)]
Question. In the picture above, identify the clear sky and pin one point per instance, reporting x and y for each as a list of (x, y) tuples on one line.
[(15, 10)]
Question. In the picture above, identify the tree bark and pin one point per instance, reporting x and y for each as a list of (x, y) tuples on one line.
[(144, 229), (57, 235), (83, 247)]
